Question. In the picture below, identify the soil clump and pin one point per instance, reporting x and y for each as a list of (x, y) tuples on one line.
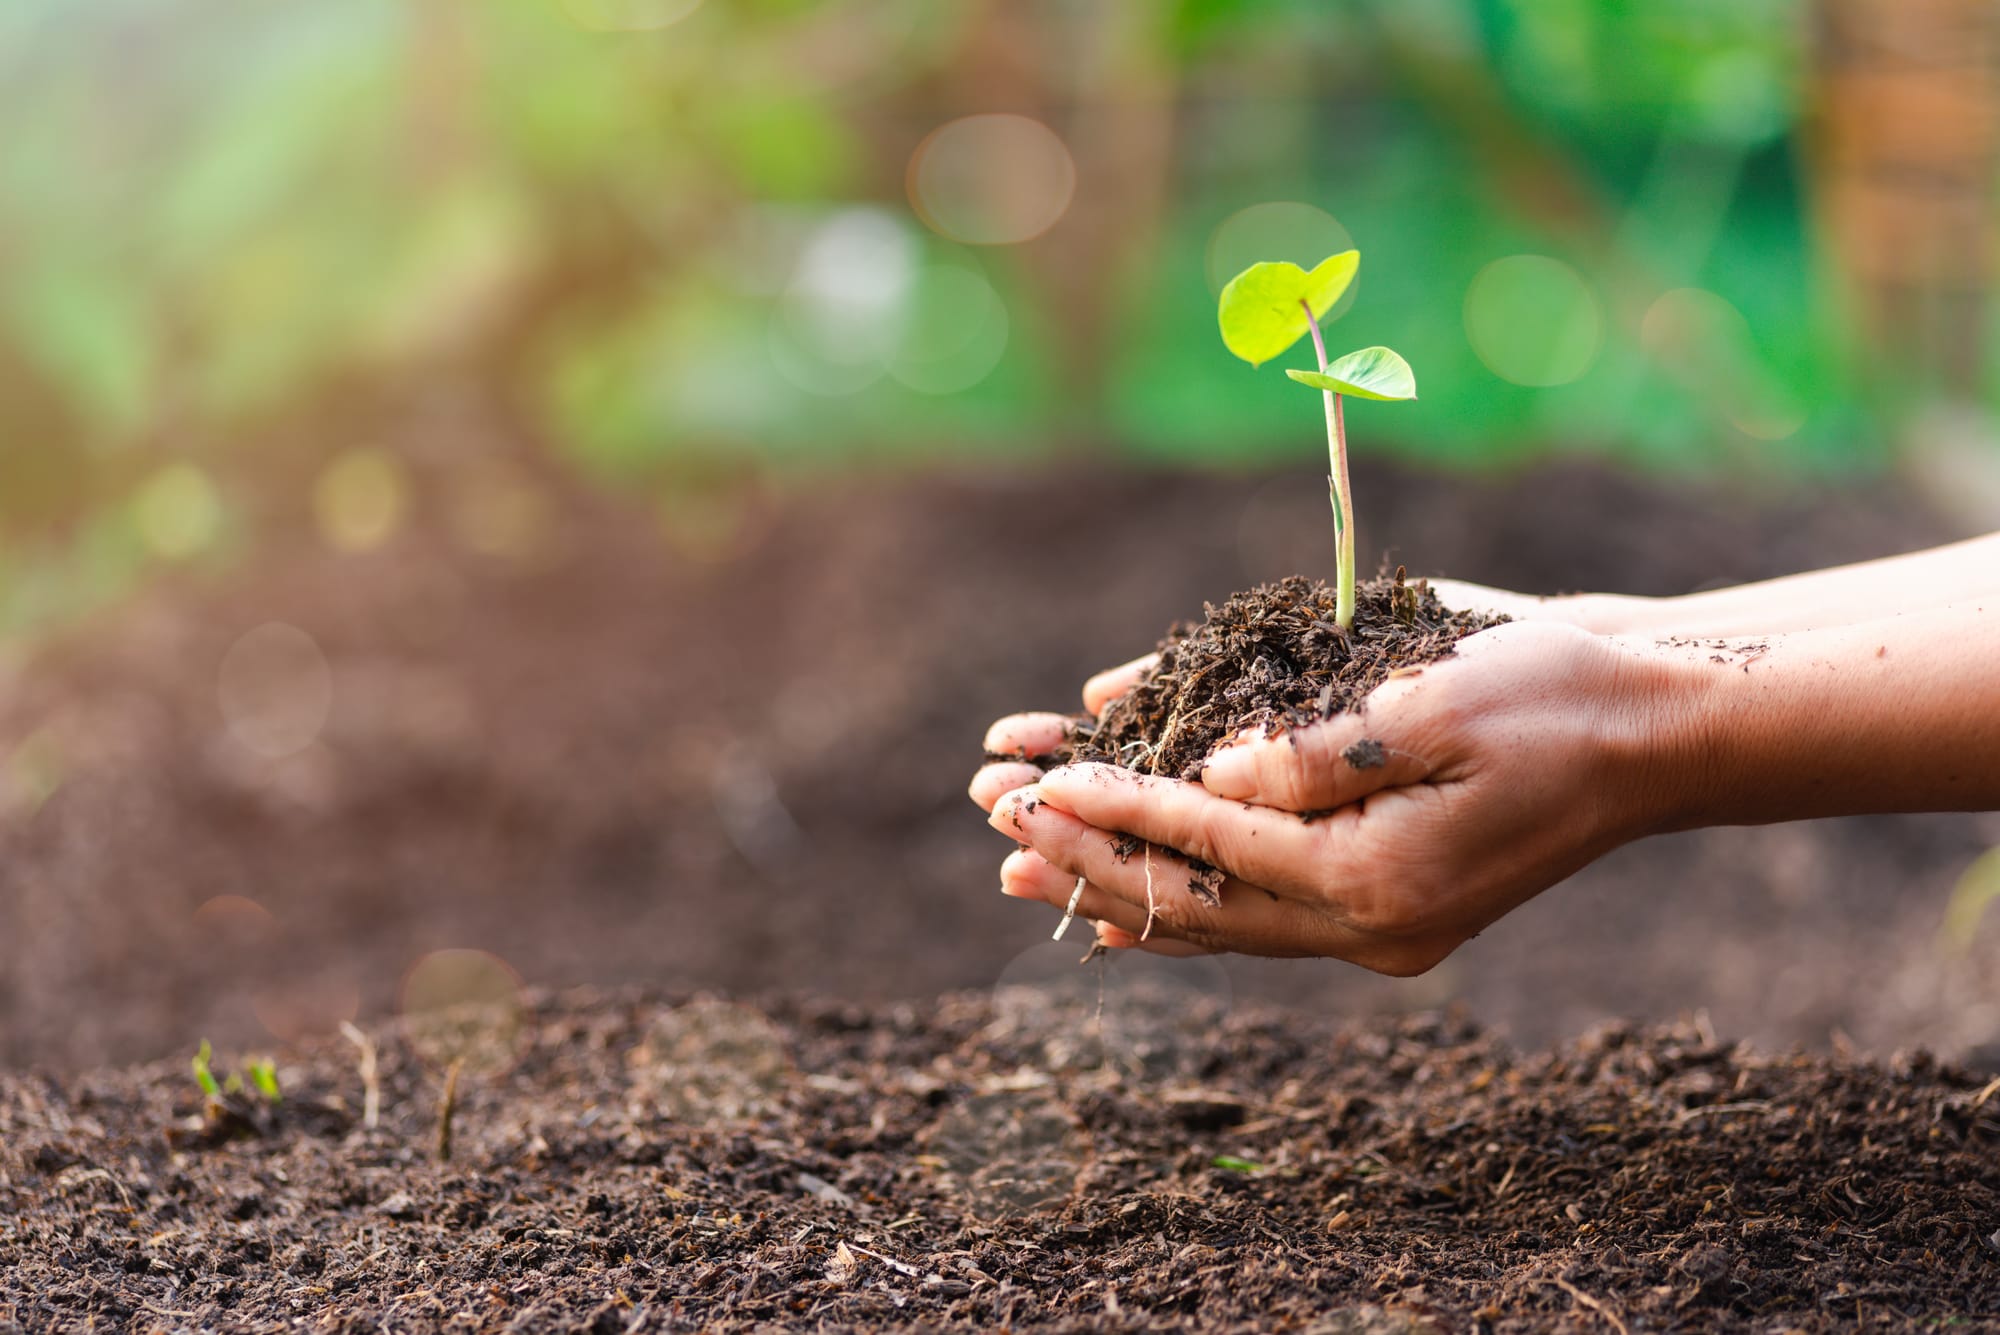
[(1273, 658)]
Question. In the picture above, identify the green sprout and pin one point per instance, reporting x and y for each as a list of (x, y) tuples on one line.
[(1269, 307), (263, 1073), (205, 1077), (259, 1073)]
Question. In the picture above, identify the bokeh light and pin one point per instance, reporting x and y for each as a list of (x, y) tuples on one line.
[(627, 15), (298, 1010), (1278, 230), (231, 925), (1533, 320), (1008, 1151), (275, 689), (463, 1006), (954, 334), (33, 771), (177, 512), (711, 524), (360, 498), (841, 317), (991, 179), (1975, 892), (1704, 342), (499, 510), (710, 1061)]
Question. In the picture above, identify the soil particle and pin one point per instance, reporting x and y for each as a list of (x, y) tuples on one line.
[(1272, 658), (1365, 754), (982, 1162)]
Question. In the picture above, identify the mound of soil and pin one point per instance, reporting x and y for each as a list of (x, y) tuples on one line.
[(1270, 658), (1002, 1162)]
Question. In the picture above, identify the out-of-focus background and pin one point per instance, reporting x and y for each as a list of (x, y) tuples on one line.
[(552, 490)]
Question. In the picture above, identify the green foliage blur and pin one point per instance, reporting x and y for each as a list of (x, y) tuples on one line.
[(668, 236)]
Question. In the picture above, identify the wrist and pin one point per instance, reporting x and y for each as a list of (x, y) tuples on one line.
[(1659, 741)]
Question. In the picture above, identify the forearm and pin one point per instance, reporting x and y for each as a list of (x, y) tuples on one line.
[(1838, 596), (1901, 713)]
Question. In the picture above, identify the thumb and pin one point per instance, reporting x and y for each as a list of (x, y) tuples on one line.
[(1316, 767)]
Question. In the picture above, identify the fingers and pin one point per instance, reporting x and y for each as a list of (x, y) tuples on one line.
[(1159, 882), (1111, 683), (1117, 938), (1269, 848), (996, 780), (1315, 768), (1025, 735), (1467, 596), (1026, 874)]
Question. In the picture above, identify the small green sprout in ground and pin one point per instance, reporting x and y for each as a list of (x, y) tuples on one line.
[(263, 1073), (1230, 1163), (1265, 310), (205, 1077), (259, 1073)]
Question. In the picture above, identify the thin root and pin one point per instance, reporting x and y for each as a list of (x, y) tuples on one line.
[(1069, 914), (1152, 906)]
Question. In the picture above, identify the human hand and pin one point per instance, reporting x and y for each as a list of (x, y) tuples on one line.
[(1492, 775), (1039, 734)]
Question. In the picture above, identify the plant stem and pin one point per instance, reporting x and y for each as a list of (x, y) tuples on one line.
[(1338, 489)]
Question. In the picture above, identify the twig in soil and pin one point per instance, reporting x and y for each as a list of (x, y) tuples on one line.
[(1588, 1301), (446, 1107), (74, 1178), (1979, 1100), (900, 1267), (371, 1085), (1722, 1109), (1069, 913)]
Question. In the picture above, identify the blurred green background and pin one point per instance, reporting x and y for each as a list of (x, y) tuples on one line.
[(671, 241)]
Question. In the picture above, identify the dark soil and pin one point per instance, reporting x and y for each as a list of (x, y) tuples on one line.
[(1020, 1161), (1271, 658)]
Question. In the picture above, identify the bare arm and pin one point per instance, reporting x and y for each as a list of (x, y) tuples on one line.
[(1535, 749), (1837, 596)]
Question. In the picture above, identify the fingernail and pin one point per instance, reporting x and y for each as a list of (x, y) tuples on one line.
[(1230, 771), (1010, 873), (1010, 813)]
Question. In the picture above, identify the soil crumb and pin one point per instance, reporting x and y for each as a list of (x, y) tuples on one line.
[(1274, 658), (997, 1161)]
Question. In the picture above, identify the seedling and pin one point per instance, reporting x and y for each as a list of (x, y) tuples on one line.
[(1269, 307), (260, 1074), (203, 1076)]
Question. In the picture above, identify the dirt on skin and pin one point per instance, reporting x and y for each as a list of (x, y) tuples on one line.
[(621, 1164), (1271, 658)]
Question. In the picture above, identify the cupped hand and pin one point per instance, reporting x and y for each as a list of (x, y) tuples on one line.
[(1387, 836), (1040, 734)]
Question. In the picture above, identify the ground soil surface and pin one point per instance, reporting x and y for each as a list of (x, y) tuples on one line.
[(1011, 1160), (720, 745)]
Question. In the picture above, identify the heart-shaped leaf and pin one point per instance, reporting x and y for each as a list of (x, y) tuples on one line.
[(1260, 311), (1371, 373)]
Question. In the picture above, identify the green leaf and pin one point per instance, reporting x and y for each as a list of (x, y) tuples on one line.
[(1371, 373), (1231, 1163), (1260, 311)]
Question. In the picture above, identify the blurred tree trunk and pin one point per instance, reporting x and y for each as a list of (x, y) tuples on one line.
[(1904, 107), (1101, 77)]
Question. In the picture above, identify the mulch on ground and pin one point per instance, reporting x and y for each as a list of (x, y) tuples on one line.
[(1022, 1160)]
